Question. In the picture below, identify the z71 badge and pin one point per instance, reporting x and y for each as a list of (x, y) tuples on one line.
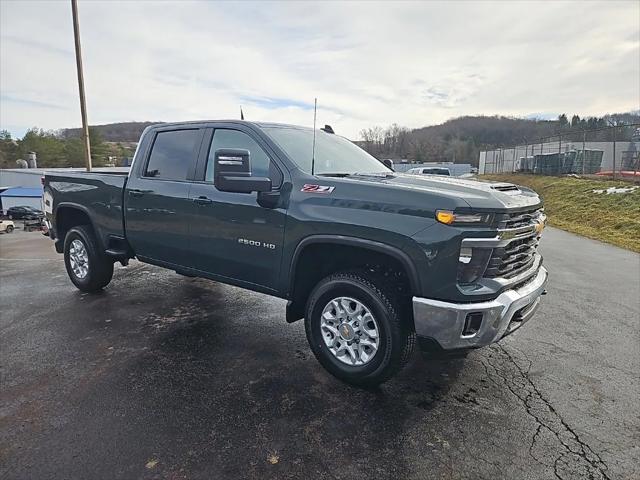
[(308, 188)]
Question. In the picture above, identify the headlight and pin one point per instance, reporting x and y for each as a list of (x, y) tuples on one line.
[(450, 218)]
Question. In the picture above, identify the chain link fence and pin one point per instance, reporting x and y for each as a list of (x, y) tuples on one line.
[(612, 150)]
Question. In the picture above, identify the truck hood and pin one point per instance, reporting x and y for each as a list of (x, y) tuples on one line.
[(480, 195)]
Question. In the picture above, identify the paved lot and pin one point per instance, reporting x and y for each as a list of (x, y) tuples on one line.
[(166, 377)]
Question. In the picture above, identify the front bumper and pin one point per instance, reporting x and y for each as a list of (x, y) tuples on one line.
[(449, 324)]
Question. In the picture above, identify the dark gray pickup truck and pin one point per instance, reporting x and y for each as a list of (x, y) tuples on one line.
[(372, 260)]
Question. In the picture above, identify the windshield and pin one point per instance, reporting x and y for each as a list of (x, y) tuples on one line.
[(333, 154)]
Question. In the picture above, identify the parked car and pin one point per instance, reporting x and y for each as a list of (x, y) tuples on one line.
[(373, 260), (24, 213), (430, 171), (7, 226)]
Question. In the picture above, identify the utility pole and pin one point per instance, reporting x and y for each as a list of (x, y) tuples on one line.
[(614, 153), (584, 155), (613, 127), (560, 162), (83, 105)]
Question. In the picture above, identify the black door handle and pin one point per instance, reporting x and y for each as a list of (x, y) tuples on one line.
[(203, 200), (136, 193)]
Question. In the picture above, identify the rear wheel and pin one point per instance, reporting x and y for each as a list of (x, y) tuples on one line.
[(355, 330), (89, 269)]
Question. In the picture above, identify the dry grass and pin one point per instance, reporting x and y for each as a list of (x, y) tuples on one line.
[(571, 205)]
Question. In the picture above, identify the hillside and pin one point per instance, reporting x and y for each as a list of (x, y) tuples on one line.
[(461, 139), (112, 132), (458, 140)]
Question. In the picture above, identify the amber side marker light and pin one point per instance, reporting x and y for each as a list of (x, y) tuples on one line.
[(445, 216)]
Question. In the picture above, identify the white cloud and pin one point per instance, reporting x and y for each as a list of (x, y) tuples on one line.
[(368, 63)]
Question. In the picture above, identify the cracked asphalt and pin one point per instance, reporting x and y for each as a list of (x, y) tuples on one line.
[(165, 377)]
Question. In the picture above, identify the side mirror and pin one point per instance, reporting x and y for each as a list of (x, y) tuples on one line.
[(388, 163), (232, 172)]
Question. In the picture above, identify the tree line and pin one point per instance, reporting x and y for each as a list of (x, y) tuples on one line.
[(55, 150), (458, 140), (461, 139)]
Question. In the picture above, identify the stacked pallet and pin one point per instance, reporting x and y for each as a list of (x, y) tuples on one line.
[(588, 161)]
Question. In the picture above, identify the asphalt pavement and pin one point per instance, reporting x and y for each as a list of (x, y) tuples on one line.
[(166, 377)]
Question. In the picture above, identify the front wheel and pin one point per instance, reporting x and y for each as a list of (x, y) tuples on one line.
[(9, 228), (88, 268), (355, 330)]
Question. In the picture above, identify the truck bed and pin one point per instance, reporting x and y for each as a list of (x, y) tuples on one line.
[(99, 195)]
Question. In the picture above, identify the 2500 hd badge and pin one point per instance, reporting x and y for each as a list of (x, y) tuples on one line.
[(257, 243)]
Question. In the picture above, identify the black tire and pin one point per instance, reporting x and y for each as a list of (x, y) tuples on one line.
[(100, 265), (9, 228), (397, 337)]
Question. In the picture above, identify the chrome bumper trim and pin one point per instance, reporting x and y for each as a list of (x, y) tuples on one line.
[(444, 321), (499, 240)]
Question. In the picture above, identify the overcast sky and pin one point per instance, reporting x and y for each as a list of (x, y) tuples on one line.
[(415, 64)]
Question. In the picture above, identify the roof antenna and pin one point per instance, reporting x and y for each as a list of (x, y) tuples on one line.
[(241, 114), (313, 151)]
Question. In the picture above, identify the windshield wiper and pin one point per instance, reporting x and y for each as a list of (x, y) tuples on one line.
[(357, 174), (334, 174), (373, 174)]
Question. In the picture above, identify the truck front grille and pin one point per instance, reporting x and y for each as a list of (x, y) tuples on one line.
[(519, 254), (517, 220)]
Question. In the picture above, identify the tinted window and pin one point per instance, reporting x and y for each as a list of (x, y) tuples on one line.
[(436, 171), (333, 153), (261, 165), (172, 154)]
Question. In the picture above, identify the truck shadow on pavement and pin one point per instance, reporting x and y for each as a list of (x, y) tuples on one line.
[(220, 383)]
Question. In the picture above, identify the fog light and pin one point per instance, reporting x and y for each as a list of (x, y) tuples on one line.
[(472, 264), (465, 255)]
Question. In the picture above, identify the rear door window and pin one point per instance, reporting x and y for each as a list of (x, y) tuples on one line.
[(172, 154)]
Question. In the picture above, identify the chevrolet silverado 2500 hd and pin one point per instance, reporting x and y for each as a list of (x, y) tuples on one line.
[(372, 260)]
